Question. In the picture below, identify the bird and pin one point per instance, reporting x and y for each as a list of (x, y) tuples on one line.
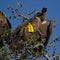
[(4, 26), (41, 27)]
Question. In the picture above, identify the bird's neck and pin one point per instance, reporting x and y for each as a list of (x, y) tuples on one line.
[(44, 22), (38, 18)]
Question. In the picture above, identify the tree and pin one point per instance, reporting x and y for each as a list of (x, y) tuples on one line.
[(27, 45)]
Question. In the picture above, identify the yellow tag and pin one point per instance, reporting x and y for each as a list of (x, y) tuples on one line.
[(30, 27)]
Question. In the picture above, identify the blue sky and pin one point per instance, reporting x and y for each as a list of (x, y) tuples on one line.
[(53, 11)]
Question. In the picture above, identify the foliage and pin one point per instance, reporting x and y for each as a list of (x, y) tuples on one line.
[(4, 50), (29, 49), (4, 54)]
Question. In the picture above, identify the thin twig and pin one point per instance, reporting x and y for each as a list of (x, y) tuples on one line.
[(47, 57), (20, 14)]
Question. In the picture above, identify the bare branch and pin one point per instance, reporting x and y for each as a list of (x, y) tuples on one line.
[(32, 12), (47, 57), (50, 58), (54, 56), (51, 43), (20, 14)]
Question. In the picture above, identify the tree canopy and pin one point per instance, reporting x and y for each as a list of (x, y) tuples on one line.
[(23, 44)]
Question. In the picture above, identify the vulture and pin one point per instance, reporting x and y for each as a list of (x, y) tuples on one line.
[(4, 26), (42, 32)]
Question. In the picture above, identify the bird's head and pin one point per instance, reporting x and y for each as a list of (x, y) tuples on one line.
[(38, 16)]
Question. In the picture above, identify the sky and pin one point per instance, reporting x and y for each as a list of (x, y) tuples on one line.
[(53, 11)]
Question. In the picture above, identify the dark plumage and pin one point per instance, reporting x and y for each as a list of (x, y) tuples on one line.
[(4, 26), (41, 27), (44, 10)]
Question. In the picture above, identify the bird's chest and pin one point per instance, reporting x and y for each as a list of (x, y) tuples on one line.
[(43, 28), (36, 25)]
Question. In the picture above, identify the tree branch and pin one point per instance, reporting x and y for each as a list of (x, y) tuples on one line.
[(20, 14)]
